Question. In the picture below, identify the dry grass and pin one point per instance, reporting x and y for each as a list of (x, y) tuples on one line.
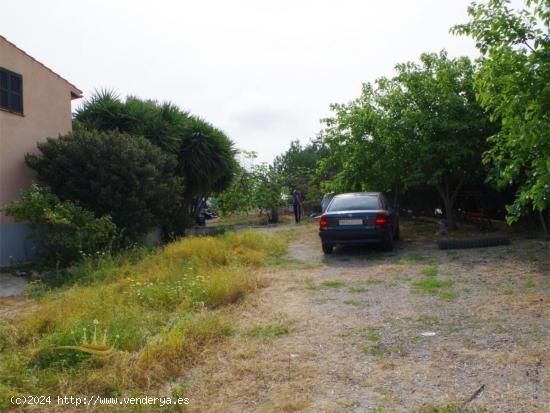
[(250, 219), (343, 357), (303, 344), (158, 310), (535, 304)]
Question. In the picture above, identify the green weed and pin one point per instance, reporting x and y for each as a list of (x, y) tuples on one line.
[(411, 259), (427, 321), (310, 284), (448, 295), (430, 271), (450, 408), (381, 349), (332, 284), (268, 330), (373, 334), (500, 329), (352, 302), (431, 285), (358, 290), (374, 281), (376, 350), (508, 289)]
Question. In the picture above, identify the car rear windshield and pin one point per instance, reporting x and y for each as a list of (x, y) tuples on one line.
[(354, 203)]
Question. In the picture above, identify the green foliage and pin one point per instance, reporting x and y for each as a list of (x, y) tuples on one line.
[(513, 84), (270, 193), (240, 196), (161, 124), (255, 187), (266, 187), (298, 167), (205, 155), (65, 230), (206, 159), (423, 126), (112, 173)]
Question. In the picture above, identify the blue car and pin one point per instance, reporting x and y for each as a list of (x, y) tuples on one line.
[(358, 219)]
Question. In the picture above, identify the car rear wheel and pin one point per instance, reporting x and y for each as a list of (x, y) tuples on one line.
[(327, 248)]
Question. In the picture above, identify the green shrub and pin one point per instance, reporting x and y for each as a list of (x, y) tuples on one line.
[(112, 173), (205, 155), (63, 230)]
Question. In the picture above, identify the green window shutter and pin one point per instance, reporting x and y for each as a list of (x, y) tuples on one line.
[(4, 93), (11, 91), (3, 79)]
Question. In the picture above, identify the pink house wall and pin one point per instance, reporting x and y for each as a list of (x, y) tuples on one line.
[(46, 113)]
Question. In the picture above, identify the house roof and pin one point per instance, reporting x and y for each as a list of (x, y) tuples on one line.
[(75, 92)]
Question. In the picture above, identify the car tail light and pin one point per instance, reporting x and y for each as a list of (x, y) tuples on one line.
[(323, 223), (381, 220)]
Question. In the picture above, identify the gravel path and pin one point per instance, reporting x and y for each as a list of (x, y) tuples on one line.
[(12, 286), (369, 331)]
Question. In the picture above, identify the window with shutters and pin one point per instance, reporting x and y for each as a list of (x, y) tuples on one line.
[(11, 91)]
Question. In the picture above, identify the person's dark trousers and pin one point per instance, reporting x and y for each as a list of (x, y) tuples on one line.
[(297, 212)]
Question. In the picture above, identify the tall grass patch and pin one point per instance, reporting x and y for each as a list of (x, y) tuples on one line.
[(150, 312)]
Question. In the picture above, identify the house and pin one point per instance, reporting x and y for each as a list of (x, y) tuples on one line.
[(35, 103)]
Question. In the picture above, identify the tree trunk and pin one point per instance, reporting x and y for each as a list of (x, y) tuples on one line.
[(274, 216), (543, 223), (449, 213), (396, 196), (449, 201)]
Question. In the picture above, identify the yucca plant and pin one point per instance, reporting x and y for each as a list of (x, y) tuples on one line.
[(206, 156)]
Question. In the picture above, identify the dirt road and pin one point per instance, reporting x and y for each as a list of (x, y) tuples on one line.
[(369, 331)]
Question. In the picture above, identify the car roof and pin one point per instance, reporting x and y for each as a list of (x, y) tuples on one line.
[(350, 194)]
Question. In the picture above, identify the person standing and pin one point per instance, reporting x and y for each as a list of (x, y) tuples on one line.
[(297, 204)]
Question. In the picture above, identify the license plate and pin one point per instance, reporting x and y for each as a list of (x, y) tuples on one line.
[(350, 222)]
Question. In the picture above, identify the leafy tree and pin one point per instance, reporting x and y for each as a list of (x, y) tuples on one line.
[(241, 194), (297, 167), (63, 230), (205, 155), (366, 153), (513, 84), (206, 158), (423, 126), (270, 192), (162, 124), (112, 173), (255, 187)]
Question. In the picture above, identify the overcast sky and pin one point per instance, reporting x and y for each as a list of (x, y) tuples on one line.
[(264, 72)]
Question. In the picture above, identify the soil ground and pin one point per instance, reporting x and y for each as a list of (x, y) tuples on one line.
[(363, 330), (11, 285)]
